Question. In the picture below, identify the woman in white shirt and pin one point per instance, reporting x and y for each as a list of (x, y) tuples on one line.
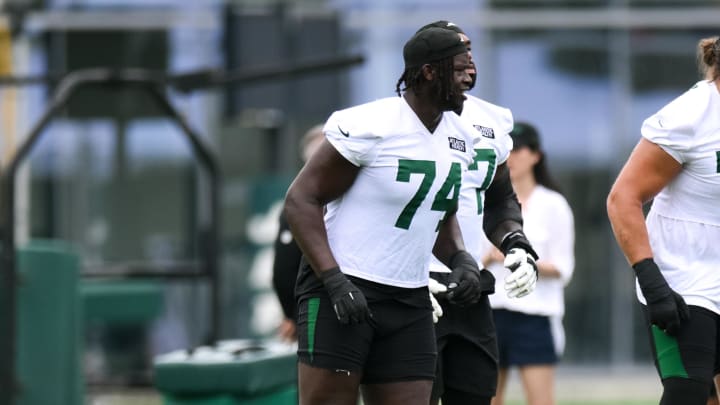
[(529, 329)]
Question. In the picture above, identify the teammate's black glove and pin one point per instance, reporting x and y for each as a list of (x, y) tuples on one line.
[(348, 301), (667, 308), (487, 282), (467, 283)]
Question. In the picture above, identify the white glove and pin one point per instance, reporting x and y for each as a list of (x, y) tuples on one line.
[(435, 287), (521, 281), (437, 309)]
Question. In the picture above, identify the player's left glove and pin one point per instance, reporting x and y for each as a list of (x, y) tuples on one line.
[(467, 283), (523, 278), (667, 309)]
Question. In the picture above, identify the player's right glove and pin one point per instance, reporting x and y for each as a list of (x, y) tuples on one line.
[(667, 309), (348, 301)]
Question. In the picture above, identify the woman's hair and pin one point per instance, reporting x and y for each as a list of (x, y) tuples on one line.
[(525, 135), (412, 78), (709, 57), (542, 174)]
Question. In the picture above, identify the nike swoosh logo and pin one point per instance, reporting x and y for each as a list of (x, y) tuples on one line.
[(346, 134)]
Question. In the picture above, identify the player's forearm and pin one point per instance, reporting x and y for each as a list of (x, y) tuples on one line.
[(628, 225), (449, 240), (305, 219), (502, 229), (502, 213)]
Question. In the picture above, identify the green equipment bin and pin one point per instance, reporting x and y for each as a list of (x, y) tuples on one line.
[(124, 311), (122, 302), (49, 325), (240, 372)]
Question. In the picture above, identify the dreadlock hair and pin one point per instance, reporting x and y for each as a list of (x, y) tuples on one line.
[(412, 78)]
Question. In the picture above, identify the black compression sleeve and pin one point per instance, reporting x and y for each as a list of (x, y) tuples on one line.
[(285, 269), (502, 213), (517, 239)]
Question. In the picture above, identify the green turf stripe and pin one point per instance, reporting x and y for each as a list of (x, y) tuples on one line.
[(313, 309), (668, 355)]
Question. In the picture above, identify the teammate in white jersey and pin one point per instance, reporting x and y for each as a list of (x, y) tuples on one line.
[(389, 174), (467, 350), (674, 252)]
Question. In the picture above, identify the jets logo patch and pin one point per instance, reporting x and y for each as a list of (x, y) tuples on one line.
[(485, 131), (456, 144)]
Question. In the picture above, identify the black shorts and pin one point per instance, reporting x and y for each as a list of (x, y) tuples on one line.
[(694, 352), (397, 345), (464, 366), (524, 339), (467, 348)]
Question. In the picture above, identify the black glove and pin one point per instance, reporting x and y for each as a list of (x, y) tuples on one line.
[(467, 283), (487, 282), (348, 301), (667, 308)]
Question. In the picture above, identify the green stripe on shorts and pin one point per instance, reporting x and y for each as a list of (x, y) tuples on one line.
[(313, 309), (668, 355)]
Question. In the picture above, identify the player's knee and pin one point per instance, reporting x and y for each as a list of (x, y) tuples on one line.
[(684, 391)]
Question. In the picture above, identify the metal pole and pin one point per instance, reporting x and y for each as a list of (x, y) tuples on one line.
[(210, 247), (621, 319), (8, 272)]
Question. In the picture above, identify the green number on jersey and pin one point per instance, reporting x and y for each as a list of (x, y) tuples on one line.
[(489, 156), (717, 159), (450, 188)]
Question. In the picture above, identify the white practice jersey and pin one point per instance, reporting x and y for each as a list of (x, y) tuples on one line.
[(493, 124), (384, 227), (684, 221)]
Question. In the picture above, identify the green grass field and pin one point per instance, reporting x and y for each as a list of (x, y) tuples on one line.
[(117, 399), (608, 402), (152, 400)]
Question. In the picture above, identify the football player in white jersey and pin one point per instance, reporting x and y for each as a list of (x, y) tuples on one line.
[(467, 368), (674, 251), (388, 174)]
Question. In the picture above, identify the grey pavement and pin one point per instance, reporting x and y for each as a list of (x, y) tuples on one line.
[(577, 383)]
